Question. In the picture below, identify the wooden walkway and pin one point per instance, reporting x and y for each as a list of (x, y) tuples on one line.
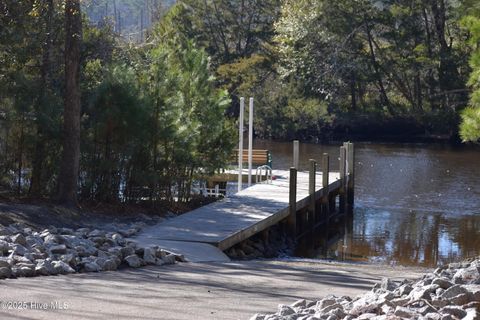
[(238, 217)]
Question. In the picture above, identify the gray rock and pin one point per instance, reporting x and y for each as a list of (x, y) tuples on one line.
[(404, 289), (366, 316), (5, 231), (82, 231), (18, 249), (127, 251), (433, 316), (453, 291), (442, 283), (405, 313), (467, 275), (58, 249), (19, 239), (388, 285), (97, 233), (4, 247), (109, 265), (325, 302), (45, 268), (84, 251), (425, 310), (473, 290), (400, 301), (169, 259), (329, 308), (66, 231), (53, 239), (34, 240), (133, 261), (23, 271), (472, 314), (118, 239), (455, 311), (5, 272), (299, 304), (284, 310), (423, 292), (69, 259), (5, 262), (91, 267), (149, 255), (460, 299), (62, 268)]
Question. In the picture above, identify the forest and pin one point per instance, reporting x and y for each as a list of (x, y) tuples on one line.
[(122, 101)]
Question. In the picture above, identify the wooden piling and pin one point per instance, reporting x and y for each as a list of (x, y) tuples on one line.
[(342, 168), (292, 217), (311, 190), (351, 174), (296, 151)]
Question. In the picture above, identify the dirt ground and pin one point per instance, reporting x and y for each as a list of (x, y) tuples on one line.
[(233, 290)]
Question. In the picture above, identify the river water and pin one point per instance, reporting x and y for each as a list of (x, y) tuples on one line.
[(415, 204)]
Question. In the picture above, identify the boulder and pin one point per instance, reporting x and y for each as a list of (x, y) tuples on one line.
[(5, 272), (45, 268), (18, 249), (149, 255), (455, 311), (91, 266), (169, 259), (127, 251), (109, 265), (133, 261), (58, 249), (467, 275), (442, 283), (284, 310), (453, 291), (19, 239), (4, 247), (96, 233), (62, 268)]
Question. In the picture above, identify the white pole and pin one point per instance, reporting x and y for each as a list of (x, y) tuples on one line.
[(250, 141), (240, 144), (295, 153)]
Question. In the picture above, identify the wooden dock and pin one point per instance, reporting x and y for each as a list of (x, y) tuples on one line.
[(302, 200)]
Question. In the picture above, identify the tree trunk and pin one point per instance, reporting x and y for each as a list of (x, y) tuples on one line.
[(36, 182), (353, 91), (69, 166), (378, 76)]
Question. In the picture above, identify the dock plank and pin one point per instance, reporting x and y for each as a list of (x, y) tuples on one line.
[(235, 218)]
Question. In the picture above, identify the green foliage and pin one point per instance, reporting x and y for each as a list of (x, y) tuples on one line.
[(191, 135), (470, 126), (393, 56)]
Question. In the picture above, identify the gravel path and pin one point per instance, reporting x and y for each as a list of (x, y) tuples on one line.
[(233, 290)]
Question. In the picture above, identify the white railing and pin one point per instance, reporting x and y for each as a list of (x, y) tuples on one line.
[(267, 175)]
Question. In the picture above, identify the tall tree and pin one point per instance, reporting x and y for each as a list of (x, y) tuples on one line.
[(68, 177), (470, 126)]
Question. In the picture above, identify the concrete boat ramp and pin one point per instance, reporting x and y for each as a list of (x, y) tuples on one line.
[(203, 234)]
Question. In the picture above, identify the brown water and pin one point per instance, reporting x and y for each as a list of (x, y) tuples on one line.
[(414, 204)]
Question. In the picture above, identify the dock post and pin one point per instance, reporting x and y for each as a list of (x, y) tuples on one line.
[(351, 176), (296, 151), (342, 165), (292, 217), (311, 190), (240, 144), (250, 140), (325, 183), (325, 201)]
